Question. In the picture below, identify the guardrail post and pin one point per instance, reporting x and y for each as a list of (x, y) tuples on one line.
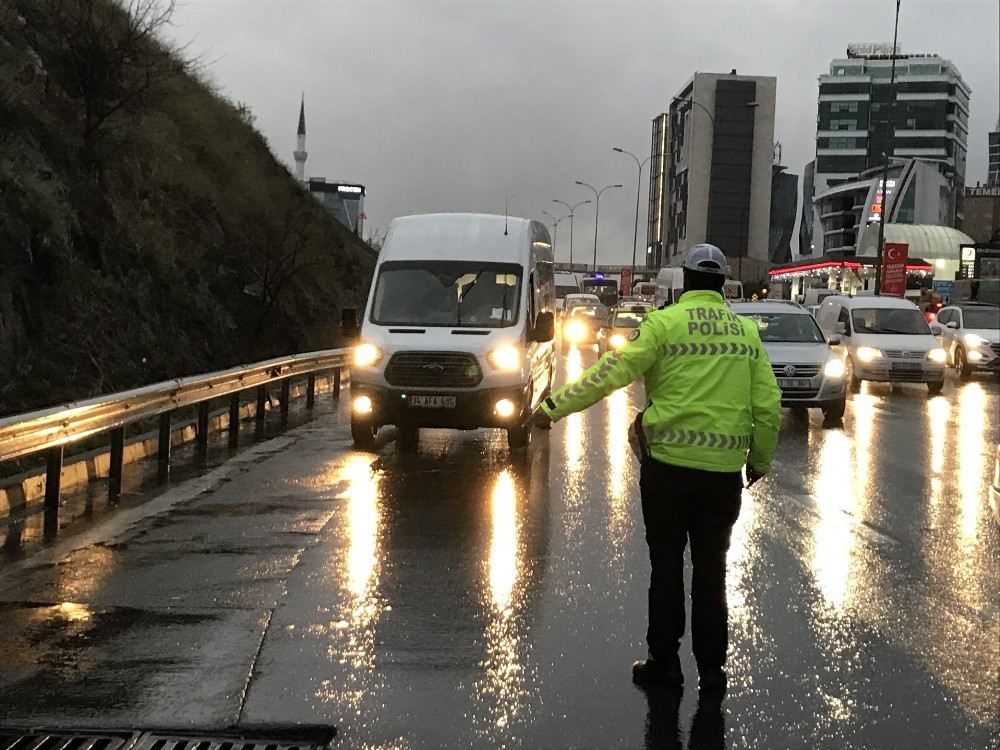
[(115, 464), (202, 444), (163, 446), (234, 420), (311, 391), (53, 478), (336, 383), (286, 395), (259, 416)]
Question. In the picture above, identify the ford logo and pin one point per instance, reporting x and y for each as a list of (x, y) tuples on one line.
[(790, 371), (434, 367)]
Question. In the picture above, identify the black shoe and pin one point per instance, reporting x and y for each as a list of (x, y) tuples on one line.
[(665, 673), (712, 681)]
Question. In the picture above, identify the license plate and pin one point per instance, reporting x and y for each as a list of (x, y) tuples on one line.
[(907, 366), (794, 383), (432, 402)]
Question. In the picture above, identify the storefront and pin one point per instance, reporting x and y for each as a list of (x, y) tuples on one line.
[(844, 275)]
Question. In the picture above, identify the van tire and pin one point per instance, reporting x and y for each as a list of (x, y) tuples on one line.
[(853, 382), (363, 433), (519, 438)]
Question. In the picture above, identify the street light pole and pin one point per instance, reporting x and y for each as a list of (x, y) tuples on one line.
[(883, 217), (638, 195), (555, 229), (572, 210), (597, 211)]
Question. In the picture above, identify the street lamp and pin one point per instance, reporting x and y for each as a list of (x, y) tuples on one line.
[(597, 211), (572, 210), (555, 229), (883, 217), (638, 194)]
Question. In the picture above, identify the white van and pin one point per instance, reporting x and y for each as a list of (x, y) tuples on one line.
[(669, 286), (458, 328), (883, 339)]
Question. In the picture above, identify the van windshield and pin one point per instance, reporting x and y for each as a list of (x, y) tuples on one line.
[(900, 320), (455, 294), (790, 328), (562, 291)]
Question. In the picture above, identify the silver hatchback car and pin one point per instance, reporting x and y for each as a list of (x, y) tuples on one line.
[(809, 372)]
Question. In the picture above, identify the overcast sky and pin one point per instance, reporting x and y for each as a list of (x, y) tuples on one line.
[(450, 106)]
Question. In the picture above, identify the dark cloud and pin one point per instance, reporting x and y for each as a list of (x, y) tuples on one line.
[(453, 105)]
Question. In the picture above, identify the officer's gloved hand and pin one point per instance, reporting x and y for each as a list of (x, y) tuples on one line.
[(541, 420), (754, 476)]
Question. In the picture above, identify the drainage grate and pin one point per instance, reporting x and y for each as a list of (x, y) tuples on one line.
[(178, 742), (36, 739)]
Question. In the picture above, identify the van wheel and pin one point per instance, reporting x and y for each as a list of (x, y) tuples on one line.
[(853, 382), (518, 438), (962, 366), (363, 433), (935, 388), (835, 410)]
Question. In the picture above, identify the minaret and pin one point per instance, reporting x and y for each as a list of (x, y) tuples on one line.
[(300, 144)]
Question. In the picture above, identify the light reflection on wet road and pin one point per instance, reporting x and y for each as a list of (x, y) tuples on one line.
[(461, 597)]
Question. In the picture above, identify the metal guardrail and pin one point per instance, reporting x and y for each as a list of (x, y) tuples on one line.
[(50, 430)]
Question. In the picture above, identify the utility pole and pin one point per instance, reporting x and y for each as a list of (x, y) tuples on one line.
[(884, 216)]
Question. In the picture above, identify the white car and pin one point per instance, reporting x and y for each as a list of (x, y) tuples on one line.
[(970, 333), (884, 339), (809, 372)]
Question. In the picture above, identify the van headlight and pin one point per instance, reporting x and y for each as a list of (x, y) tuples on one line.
[(834, 368), (937, 356), (506, 357), (973, 341), (868, 353), (366, 355), (616, 341)]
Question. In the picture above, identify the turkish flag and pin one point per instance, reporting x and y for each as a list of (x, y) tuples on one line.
[(894, 259)]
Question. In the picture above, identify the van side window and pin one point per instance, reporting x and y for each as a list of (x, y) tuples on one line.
[(532, 304), (944, 317)]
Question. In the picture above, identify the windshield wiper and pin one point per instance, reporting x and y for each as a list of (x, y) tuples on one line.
[(458, 311)]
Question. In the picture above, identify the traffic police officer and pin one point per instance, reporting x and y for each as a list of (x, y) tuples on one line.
[(713, 406)]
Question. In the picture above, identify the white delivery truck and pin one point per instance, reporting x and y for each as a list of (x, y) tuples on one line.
[(458, 329)]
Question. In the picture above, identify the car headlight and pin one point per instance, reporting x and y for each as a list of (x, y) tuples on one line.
[(505, 357), (834, 368), (575, 330), (366, 355), (937, 356), (974, 341), (616, 341), (868, 353)]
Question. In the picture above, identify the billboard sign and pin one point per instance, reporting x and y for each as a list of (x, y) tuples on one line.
[(894, 269)]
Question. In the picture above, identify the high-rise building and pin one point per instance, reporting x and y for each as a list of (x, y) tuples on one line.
[(718, 144), (930, 115), (657, 192), (993, 173), (806, 242), (784, 204)]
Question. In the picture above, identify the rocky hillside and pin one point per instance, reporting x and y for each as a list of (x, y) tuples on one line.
[(146, 231)]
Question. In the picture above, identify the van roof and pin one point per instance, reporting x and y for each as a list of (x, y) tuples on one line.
[(872, 301), (453, 236)]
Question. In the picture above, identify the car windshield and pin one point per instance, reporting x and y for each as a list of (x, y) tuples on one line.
[(447, 293), (628, 319), (584, 311), (562, 291), (981, 317), (788, 328), (899, 320)]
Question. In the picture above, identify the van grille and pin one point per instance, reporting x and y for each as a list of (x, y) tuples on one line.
[(433, 370), (898, 354)]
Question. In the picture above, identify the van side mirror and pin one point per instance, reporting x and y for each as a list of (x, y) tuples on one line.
[(545, 327), (835, 340), (840, 327), (936, 329), (349, 328)]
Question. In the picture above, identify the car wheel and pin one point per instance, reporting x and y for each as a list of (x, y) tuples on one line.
[(363, 433), (962, 366), (853, 382), (835, 410), (935, 388)]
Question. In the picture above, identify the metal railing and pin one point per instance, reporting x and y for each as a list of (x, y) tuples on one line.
[(48, 431)]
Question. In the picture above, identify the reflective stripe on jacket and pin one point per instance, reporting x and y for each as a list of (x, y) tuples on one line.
[(712, 397)]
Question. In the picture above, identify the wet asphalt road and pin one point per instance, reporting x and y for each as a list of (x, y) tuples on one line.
[(457, 597)]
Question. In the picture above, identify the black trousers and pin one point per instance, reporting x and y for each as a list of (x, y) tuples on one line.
[(681, 504)]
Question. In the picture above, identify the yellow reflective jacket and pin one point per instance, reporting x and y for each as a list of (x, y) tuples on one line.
[(711, 394)]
